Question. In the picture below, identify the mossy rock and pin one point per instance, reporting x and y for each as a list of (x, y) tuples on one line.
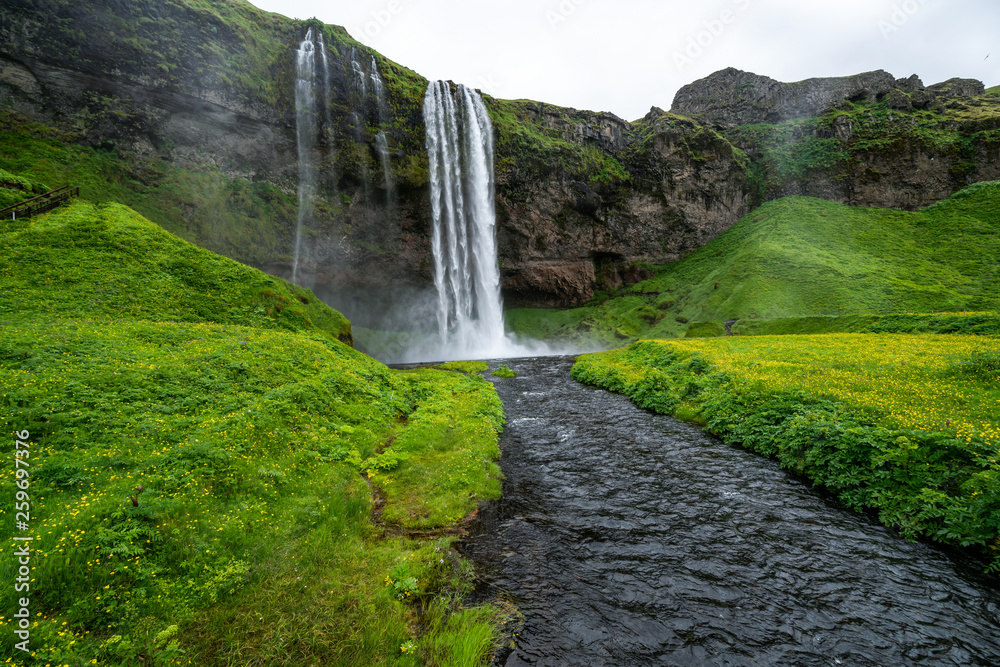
[(705, 330)]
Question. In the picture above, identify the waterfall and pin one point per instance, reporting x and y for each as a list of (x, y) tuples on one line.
[(359, 73), (381, 144), (326, 83), (459, 144), (305, 136)]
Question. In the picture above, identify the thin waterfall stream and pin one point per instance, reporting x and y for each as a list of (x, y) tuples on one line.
[(381, 143), (629, 538), (305, 137)]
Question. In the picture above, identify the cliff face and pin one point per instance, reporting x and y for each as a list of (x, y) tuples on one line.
[(669, 186), (196, 103)]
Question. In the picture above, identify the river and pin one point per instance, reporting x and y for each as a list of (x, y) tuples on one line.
[(629, 538)]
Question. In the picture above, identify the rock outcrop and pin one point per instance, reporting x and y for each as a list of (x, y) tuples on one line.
[(732, 97)]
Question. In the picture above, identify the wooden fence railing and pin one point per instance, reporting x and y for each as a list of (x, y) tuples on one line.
[(40, 204)]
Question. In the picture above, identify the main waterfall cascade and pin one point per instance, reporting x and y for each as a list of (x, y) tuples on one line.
[(459, 144), (306, 129)]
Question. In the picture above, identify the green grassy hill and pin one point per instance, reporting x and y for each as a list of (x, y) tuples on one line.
[(204, 450), (800, 257), (116, 264)]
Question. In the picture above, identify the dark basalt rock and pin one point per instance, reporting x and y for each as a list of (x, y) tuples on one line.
[(958, 88), (733, 97)]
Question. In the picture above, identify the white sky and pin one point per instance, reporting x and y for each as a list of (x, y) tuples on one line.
[(624, 56)]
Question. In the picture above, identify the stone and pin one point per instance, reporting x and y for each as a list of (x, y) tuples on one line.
[(958, 88), (910, 84), (898, 100), (922, 99), (732, 97)]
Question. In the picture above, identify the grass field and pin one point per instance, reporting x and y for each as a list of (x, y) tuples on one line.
[(257, 437), (802, 257), (908, 425)]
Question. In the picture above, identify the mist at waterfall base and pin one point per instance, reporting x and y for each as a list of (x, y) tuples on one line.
[(398, 325)]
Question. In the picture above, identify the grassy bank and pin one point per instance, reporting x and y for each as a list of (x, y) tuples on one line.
[(980, 324), (801, 257), (254, 443), (907, 425)]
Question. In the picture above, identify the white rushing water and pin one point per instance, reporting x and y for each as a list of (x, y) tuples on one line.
[(459, 144), (359, 73), (326, 82), (305, 136), (381, 143)]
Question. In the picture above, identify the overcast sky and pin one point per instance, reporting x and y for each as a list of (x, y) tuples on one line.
[(624, 56)]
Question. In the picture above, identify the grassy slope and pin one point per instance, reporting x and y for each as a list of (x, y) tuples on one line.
[(134, 358), (799, 257), (119, 266), (984, 324), (251, 222), (907, 425)]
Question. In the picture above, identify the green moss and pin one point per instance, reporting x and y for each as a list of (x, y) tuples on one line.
[(528, 149), (503, 371), (465, 366), (252, 222), (799, 149), (705, 330)]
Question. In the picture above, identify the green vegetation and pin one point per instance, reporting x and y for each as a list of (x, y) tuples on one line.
[(995, 90), (527, 148), (503, 371), (906, 425), (14, 189), (705, 330), (837, 143), (801, 257), (253, 222), (606, 322), (204, 451), (465, 366), (984, 324), (119, 266)]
